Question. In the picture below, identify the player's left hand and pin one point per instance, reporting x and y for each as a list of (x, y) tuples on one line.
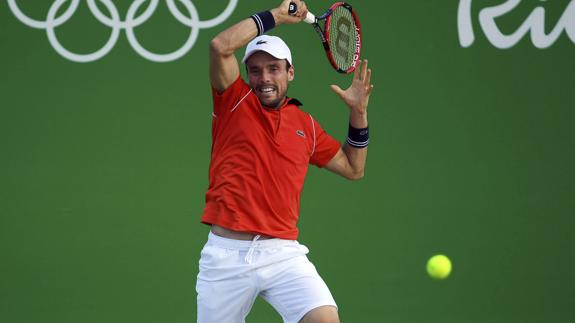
[(356, 96)]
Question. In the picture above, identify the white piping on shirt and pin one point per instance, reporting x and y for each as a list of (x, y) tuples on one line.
[(313, 127), (237, 104)]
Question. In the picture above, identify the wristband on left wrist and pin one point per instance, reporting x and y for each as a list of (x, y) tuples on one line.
[(358, 137)]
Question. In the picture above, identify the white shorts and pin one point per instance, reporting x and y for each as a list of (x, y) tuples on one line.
[(234, 272)]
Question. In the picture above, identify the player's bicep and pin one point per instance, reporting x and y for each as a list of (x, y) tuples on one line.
[(224, 67)]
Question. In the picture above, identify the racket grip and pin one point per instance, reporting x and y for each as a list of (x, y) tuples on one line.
[(309, 18)]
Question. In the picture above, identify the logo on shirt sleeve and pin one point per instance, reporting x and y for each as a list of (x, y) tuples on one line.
[(300, 133)]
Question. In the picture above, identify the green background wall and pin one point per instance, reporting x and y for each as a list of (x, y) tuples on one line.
[(103, 168)]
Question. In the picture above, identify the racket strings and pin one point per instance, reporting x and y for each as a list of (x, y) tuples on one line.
[(342, 37)]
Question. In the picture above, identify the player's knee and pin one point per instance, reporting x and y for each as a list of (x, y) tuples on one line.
[(322, 314)]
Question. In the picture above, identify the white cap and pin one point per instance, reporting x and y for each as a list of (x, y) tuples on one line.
[(272, 45)]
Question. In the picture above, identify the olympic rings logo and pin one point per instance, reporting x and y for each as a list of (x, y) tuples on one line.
[(116, 24)]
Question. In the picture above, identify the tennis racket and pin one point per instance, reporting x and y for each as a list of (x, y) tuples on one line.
[(340, 36)]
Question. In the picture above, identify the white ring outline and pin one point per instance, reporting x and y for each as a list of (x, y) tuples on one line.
[(163, 57), (193, 22), (42, 24), (81, 58)]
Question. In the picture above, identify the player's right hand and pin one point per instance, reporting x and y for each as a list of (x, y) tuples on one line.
[(282, 16)]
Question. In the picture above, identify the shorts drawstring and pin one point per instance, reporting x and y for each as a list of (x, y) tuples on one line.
[(250, 253)]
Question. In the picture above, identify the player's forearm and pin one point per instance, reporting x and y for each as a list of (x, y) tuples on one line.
[(358, 119), (357, 156), (350, 160)]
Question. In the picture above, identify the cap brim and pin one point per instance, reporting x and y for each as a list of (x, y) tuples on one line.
[(250, 53)]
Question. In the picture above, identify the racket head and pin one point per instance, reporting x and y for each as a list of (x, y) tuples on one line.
[(342, 32)]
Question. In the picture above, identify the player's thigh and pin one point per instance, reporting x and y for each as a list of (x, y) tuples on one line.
[(225, 301), (226, 292), (294, 288)]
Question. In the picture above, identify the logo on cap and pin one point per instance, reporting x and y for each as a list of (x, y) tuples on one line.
[(259, 42)]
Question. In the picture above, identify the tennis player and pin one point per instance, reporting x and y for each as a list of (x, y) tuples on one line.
[(262, 144)]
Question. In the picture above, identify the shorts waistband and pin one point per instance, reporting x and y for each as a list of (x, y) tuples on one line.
[(227, 243)]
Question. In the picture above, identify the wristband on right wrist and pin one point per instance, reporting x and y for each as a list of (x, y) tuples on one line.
[(358, 137), (264, 21)]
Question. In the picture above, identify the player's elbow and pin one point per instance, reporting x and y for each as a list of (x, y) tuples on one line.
[(356, 175), (218, 46)]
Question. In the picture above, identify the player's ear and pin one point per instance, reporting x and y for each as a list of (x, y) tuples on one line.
[(291, 73)]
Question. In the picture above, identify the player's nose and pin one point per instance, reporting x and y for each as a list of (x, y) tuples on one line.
[(266, 77)]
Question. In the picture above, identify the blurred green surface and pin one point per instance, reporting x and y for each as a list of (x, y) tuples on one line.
[(103, 169)]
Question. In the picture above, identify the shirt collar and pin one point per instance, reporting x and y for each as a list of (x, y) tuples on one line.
[(294, 101)]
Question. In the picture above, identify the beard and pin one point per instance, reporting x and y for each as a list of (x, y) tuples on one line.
[(275, 104), (272, 103)]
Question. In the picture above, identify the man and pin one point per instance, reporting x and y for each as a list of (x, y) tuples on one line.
[(262, 144)]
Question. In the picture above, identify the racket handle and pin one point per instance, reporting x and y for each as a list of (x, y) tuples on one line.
[(309, 18)]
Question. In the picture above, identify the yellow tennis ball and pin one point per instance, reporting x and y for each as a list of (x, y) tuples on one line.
[(439, 267)]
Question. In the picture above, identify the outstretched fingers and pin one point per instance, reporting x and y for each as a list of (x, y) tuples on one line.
[(368, 81), (356, 71), (363, 74), (363, 69)]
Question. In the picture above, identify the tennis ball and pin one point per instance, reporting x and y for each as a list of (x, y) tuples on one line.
[(439, 267)]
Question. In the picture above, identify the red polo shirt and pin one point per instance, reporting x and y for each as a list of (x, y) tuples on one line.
[(259, 160)]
